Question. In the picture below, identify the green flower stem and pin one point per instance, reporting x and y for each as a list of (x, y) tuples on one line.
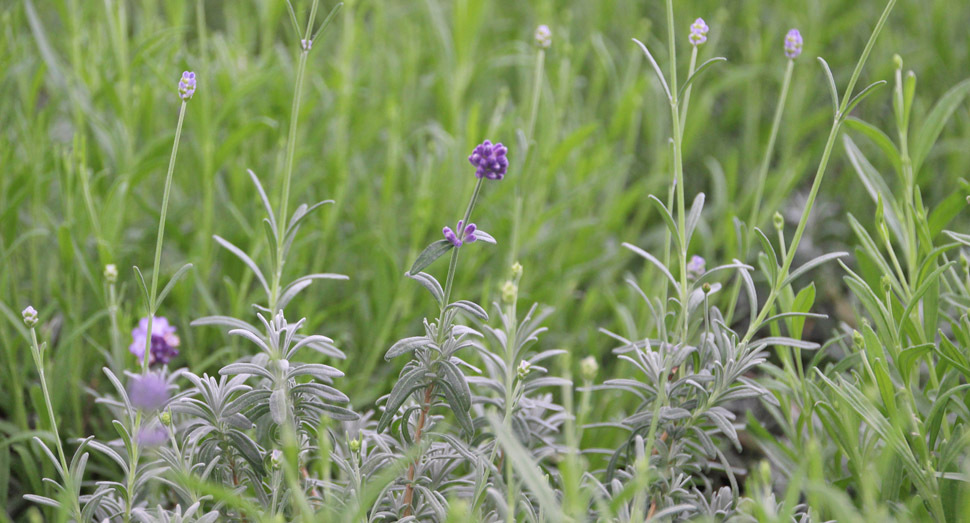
[(117, 349), (678, 171), (686, 102), (288, 164), (66, 472), (819, 175), (156, 268), (536, 92), (754, 218)]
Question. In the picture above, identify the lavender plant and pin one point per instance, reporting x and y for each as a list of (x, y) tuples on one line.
[(433, 378), (894, 425), (695, 365)]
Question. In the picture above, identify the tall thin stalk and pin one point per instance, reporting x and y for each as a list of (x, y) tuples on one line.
[(38, 354), (443, 330), (156, 268), (819, 176), (305, 46)]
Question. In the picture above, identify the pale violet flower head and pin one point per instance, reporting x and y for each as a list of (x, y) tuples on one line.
[(698, 32), (152, 435), (793, 44), (696, 267), (148, 392), (543, 36), (187, 85)]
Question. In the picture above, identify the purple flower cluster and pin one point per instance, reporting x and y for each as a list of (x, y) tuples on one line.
[(467, 234), (164, 341), (698, 32), (187, 85), (148, 392), (793, 44), (490, 160)]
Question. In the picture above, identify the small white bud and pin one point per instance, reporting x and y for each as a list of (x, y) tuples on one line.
[(30, 317), (110, 273), (588, 367)]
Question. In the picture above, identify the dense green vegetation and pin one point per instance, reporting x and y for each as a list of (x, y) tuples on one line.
[(395, 97)]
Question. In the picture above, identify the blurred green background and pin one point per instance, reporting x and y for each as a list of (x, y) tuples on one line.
[(397, 95)]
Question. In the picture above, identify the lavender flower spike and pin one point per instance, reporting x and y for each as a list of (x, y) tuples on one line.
[(187, 85), (467, 234), (698, 32), (164, 341), (490, 160), (148, 392), (793, 44)]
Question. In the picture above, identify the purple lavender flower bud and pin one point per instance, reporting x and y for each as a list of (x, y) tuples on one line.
[(30, 317), (490, 160), (470, 233), (793, 44), (153, 435), (543, 36), (148, 392), (306, 44), (187, 85), (450, 236), (463, 236), (164, 342), (698, 32), (696, 266)]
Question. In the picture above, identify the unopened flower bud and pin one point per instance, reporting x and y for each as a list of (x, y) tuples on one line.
[(886, 283), (706, 287), (516, 270), (165, 417), (857, 340), (276, 457), (524, 368), (30, 317), (509, 292), (779, 221), (897, 61), (110, 273), (765, 469), (354, 445), (306, 44), (588, 367)]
